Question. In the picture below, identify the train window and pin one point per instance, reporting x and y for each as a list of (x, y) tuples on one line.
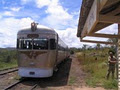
[(17, 43), (24, 44), (52, 44), (40, 43)]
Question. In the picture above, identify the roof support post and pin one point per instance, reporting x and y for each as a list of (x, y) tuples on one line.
[(118, 56)]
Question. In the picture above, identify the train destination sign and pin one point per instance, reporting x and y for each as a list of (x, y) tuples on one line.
[(32, 35)]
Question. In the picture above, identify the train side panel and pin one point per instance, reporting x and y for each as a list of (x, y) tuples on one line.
[(62, 51)]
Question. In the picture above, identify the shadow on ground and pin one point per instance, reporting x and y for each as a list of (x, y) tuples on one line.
[(59, 78)]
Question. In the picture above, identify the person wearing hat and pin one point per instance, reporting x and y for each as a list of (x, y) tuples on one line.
[(111, 63)]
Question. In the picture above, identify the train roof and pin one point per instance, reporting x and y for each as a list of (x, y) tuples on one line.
[(40, 29)]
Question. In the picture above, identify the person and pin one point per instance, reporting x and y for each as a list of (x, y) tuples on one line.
[(111, 63)]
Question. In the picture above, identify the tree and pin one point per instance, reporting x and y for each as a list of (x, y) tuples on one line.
[(84, 47), (98, 46), (114, 40), (113, 47)]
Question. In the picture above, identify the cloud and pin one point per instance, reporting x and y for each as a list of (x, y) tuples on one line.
[(25, 1), (57, 16), (52, 14), (112, 29), (9, 28), (15, 9), (8, 13), (69, 37), (42, 3), (95, 38), (0, 15), (1, 35)]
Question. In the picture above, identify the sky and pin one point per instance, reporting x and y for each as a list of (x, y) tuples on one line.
[(61, 15)]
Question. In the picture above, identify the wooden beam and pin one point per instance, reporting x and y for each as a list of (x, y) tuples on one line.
[(103, 35), (111, 2), (101, 42), (84, 33), (102, 3), (109, 19), (91, 19), (110, 6), (114, 12), (85, 9)]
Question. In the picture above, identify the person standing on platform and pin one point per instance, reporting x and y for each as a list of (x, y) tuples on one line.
[(111, 63)]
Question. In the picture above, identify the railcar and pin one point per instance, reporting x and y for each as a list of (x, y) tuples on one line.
[(40, 50)]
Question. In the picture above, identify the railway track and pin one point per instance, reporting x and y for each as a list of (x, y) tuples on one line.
[(34, 86), (6, 71), (10, 87), (41, 83)]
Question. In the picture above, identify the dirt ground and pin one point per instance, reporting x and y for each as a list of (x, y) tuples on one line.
[(76, 79), (6, 80), (68, 77)]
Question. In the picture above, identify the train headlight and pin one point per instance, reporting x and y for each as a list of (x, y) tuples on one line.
[(34, 26)]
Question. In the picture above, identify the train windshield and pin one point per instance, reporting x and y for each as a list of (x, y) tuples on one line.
[(40, 43), (24, 44), (32, 43)]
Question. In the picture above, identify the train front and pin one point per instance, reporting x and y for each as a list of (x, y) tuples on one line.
[(34, 56)]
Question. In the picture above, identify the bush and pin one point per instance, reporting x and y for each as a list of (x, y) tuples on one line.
[(8, 58)]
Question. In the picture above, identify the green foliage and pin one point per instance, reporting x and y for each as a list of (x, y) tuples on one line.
[(8, 58), (111, 84), (96, 68), (17, 77), (75, 49), (72, 80)]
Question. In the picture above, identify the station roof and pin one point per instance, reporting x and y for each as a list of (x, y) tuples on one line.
[(85, 9), (96, 15)]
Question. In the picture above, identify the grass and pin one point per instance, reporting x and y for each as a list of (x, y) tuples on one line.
[(72, 80), (96, 69), (7, 65), (8, 58), (17, 77)]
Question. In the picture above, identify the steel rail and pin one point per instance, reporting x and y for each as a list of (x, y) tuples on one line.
[(18, 82), (14, 84), (34, 87), (9, 71)]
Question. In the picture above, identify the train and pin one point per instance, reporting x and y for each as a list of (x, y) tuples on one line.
[(39, 51)]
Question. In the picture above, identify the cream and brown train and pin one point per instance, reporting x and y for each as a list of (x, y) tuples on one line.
[(40, 50)]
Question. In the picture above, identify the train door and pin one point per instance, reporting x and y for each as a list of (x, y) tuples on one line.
[(53, 50)]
